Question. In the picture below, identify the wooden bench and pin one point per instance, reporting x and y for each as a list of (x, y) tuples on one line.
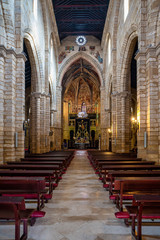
[(48, 159), (29, 188), (14, 209), (144, 207), (112, 175), (104, 169), (126, 188), (48, 174), (55, 168), (95, 163)]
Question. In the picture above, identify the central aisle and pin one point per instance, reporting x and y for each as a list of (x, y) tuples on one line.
[(79, 209)]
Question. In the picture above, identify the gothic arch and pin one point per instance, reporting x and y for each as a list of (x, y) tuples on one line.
[(75, 57), (158, 29), (2, 27), (126, 53), (8, 25), (35, 60)]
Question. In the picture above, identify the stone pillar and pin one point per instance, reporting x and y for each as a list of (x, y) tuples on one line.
[(141, 103), (20, 103), (52, 130), (153, 103), (43, 141), (158, 58), (114, 121), (47, 123), (103, 119), (9, 106), (2, 62), (12, 96), (125, 122), (58, 119), (35, 122), (65, 121)]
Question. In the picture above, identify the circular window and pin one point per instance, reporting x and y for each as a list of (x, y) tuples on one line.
[(81, 40)]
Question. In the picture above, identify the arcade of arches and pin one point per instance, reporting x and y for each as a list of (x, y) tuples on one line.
[(55, 94)]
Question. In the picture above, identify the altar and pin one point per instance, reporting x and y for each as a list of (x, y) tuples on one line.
[(82, 133), (82, 145)]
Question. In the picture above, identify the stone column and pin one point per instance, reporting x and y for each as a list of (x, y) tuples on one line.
[(58, 120), (9, 106), (2, 62), (52, 130), (103, 119), (47, 124), (153, 103), (114, 121), (43, 137), (141, 102), (20, 103), (35, 122), (158, 58), (125, 122)]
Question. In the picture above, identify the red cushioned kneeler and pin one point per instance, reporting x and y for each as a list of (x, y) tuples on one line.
[(122, 215)]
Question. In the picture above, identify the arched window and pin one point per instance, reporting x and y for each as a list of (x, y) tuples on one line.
[(35, 8), (109, 50), (126, 9)]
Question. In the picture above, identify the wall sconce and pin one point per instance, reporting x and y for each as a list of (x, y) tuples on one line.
[(109, 131), (135, 123)]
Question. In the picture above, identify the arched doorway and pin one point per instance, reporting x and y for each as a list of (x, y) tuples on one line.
[(81, 104)]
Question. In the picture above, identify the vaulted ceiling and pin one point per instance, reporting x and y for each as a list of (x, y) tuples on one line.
[(81, 79), (83, 17)]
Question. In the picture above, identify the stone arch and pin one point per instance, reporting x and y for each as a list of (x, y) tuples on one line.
[(126, 62), (37, 74), (2, 27), (126, 53), (158, 29), (74, 58), (8, 24)]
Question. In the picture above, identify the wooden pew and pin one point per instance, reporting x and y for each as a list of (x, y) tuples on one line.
[(48, 174), (55, 168), (47, 159), (126, 188), (144, 207), (29, 188), (104, 169), (13, 208), (112, 175)]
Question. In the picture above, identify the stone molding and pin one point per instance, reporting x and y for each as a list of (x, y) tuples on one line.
[(150, 50), (4, 51)]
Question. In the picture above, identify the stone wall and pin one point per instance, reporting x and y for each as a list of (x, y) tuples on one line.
[(142, 23), (19, 23)]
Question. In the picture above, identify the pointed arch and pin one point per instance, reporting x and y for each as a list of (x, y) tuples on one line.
[(129, 38), (74, 58), (37, 67)]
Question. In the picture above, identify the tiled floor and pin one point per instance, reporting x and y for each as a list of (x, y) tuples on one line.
[(80, 210)]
